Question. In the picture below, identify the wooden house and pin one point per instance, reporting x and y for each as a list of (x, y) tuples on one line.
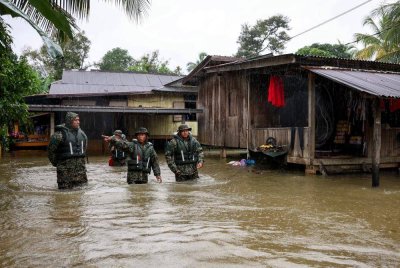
[(325, 121), (107, 101)]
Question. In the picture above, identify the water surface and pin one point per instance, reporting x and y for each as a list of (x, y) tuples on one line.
[(230, 217)]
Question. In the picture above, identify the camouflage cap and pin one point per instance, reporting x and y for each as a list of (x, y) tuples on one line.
[(69, 117), (142, 130), (118, 132), (184, 127)]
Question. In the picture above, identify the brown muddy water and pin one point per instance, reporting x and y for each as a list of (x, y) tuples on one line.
[(230, 217)]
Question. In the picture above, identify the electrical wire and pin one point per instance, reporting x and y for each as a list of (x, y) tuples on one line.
[(377, 33), (329, 20)]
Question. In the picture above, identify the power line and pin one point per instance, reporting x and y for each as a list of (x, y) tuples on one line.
[(331, 19), (377, 33)]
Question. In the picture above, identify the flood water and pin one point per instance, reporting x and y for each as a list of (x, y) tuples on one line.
[(230, 217)]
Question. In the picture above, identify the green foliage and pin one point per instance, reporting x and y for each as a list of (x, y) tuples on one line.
[(56, 18), (327, 50), (191, 65), (117, 59), (150, 63), (384, 43), (76, 51), (17, 80), (5, 38), (267, 35)]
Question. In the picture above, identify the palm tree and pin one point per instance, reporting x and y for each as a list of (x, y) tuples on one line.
[(191, 65), (55, 19), (383, 44)]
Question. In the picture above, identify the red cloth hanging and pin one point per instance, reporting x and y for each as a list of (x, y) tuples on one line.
[(394, 104), (271, 90), (382, 105), (276, 95)]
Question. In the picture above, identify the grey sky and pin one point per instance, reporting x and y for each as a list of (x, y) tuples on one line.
[(181, 29)]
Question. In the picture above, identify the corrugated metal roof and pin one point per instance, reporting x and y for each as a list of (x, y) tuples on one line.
[(177, 89), (372, 82), (266, 61), (110, 109), (94, 82)]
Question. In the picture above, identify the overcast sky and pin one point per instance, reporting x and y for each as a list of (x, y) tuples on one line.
[(181, 29)]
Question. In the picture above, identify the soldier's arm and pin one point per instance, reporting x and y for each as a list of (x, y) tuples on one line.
[(122, 145), (55, 141), (200, 155), (154, 163), (199, 151), (86, 140), (169, 156)]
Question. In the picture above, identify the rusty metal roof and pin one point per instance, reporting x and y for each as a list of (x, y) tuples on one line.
[(110, 109), (382, 84), (186, 89), (106, 83)]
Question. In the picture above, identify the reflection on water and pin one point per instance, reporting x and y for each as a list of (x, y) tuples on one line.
[(230, 217)]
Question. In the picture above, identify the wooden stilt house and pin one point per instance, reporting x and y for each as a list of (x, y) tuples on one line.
[(329, 114)]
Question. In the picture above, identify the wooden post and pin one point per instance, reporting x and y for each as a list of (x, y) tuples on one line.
[(376, 142), (51, 123), (223, 153), (311, 117), (248, 117)]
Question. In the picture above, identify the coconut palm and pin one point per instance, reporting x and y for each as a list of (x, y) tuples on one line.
[(383, 44), (55, 19), (191, 65)]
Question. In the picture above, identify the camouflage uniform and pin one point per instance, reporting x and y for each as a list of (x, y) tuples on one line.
[(68, 154), (184, 168), (118, 156), (143, 158)]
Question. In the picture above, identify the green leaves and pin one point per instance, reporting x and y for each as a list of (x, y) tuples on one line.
[(35, 20), (191, 65), (17, 80), (327, 50), (54, 18), (117, 59), (384, 43), (267, 35)]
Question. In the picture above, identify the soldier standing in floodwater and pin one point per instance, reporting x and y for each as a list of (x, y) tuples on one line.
[(184, 155), (67, 151), (143, 157), (117, 156)]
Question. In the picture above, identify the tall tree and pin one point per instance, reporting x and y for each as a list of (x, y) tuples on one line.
[(17, 80), (266, 35), (392, 12), (76, 51), (191, 65), (150, 63), (328, 50), (384, 43), (117, 59), (56, 18)]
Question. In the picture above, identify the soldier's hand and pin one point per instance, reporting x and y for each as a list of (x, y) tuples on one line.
[(106, 138), (159, 180), (200, 165)]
